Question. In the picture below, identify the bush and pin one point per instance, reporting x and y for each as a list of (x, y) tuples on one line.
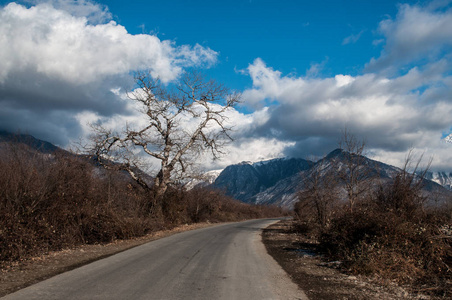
[(392, 235), (205, 204), (390, 246), (51, 202)]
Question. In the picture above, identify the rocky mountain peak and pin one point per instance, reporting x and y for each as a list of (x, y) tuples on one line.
[(278, 181)]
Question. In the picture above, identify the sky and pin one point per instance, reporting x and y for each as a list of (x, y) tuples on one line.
[(307, 70)]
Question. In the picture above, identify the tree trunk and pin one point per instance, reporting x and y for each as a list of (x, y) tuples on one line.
[(161, 183)]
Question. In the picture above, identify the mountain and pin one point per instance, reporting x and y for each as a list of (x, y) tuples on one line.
[(245, 180), (29, 141), (274, 181), (206, 179), (277, 182), (27, 145), (442, 178), (284, 192)]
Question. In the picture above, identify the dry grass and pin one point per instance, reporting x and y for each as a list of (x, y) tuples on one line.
[(54, 202), (393, 236)]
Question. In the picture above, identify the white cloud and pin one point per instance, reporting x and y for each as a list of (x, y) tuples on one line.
[(54, 43), (351, 39), (390, 113), (66, 61), (416, 33), (95, 13), (246, 146), (402, 102), (250, 149), (343, 80), (316, 68)]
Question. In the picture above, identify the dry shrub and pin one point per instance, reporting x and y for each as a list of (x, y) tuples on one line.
[(209, 205), (51, 202), (395, 237), (390, 246)]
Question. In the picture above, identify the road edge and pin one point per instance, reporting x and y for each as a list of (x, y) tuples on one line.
[(286, 288), (19, 275)]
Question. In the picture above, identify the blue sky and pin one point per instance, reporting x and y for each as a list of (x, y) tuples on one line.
[(291, 36), (306, 70)]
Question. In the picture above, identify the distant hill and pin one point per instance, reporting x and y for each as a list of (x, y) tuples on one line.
[(275, 181), (30, 141), (278, 181), (32, 145), (245, 180), (442, 178)]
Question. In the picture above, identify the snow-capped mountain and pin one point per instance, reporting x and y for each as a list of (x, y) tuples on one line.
[(211, 176), (278, 181), (206, 179), (243, 181), (284, 192), (442, 178)]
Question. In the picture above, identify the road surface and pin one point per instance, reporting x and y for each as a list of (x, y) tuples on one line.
[(226, 261)]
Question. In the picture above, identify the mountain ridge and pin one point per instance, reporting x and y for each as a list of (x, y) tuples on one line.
[(276, 181), (242, 181), (29, 140)]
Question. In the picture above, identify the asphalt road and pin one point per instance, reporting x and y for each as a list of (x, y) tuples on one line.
[(222, 262)]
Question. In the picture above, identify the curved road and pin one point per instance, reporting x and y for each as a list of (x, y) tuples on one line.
[(222, 262)]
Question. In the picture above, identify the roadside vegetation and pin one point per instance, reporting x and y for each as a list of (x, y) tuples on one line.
[(52, 202), (387, 230)]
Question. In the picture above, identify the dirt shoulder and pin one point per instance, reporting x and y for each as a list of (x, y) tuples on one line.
[(15, 276), (317, 278)]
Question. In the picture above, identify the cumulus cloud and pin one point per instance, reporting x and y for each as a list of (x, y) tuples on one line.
[(248, 144), (62, 58), (391, 114), (401, 101), (54, 43), (95, 13), (65, 63), (416, 34)]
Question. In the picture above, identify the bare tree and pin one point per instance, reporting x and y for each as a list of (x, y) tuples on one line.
[(319, 195), (404, 195), (182, 122), (354, 173)]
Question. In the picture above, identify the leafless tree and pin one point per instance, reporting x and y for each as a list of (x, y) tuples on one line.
[(319, 194), (183, 120), (353, 171), (404, 194)]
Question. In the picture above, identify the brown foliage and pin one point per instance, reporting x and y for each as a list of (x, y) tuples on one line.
[(318, 199), (392, 235), (208, 205), (406, 250), (50, 202)]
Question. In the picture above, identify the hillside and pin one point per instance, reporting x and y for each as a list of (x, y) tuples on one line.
[(29, 141), (245, 180), (278, 181), (442, 178), (271, 182), (55, 200)]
